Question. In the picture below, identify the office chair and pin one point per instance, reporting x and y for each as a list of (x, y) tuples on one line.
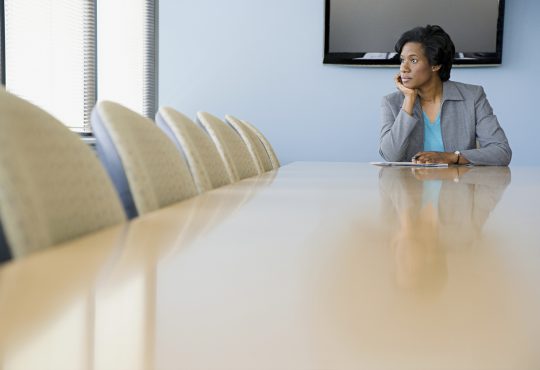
[(255, 146), (205, 163), (142, 161), (52, 186), (266, 143), (232, 149)]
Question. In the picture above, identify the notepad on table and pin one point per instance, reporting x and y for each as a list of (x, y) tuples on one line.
[(408, 164)]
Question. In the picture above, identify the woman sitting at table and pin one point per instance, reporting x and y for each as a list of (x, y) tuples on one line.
[(434, 120)]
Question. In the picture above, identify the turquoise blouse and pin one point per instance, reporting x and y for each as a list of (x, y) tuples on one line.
[(432, 134)]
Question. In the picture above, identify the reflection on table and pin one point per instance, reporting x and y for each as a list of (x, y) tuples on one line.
[(435, 210), (315, 265)]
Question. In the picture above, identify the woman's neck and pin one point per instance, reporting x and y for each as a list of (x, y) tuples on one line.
[(432, 92)]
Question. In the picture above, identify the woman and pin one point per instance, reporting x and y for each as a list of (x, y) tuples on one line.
[(434, 120)]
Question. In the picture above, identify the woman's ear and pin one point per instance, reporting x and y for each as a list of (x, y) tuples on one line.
[(435, 68)]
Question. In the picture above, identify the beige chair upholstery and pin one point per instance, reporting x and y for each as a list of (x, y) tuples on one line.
[(205, 163), (232, 149), (254, 145), (143, 162), (266, 143), (52, 186)]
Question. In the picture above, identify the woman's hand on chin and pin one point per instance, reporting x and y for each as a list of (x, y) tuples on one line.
[(411, 93)]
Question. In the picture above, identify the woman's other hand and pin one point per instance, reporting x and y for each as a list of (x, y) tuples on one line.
[(435, 157)]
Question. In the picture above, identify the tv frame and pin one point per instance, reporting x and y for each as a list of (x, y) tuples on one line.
[(392, 59)]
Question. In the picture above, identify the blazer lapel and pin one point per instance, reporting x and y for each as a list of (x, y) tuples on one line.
[(449, 115)]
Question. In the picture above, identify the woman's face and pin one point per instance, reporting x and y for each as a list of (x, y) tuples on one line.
[(415, 70)]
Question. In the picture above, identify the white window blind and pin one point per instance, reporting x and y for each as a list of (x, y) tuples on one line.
[(63, 55), (126, 53), (45, 56)]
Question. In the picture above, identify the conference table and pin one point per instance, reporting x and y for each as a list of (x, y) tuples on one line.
[(312, 266)]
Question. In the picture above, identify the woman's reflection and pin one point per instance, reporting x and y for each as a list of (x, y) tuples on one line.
[(430, 211)]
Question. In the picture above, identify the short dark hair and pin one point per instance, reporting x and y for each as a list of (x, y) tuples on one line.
[(437, 44)]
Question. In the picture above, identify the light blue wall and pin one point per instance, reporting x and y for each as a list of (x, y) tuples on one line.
[(262, 61)]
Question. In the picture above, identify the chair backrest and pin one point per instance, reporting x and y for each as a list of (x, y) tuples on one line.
[(143, 162), (266, 143), (232, 149), (52, 186), (205, 163), (255, 146)]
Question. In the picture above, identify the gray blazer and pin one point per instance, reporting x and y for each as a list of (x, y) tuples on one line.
[(466, 117)]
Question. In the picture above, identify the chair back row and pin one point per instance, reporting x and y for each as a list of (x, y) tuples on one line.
[(53, 188)]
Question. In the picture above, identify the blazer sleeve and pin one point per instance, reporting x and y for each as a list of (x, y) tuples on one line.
[(397, 126), (493, 145)]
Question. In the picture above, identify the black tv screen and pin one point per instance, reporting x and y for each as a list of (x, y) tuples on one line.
[(364, 32)]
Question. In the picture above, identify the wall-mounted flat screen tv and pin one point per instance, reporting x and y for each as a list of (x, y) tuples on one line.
[(364, 32)]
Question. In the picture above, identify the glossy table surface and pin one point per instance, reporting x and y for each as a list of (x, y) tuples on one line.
[(312, 266)]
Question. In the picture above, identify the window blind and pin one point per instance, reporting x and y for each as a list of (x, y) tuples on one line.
[(126, 40), (63, 55), (46, 50)]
